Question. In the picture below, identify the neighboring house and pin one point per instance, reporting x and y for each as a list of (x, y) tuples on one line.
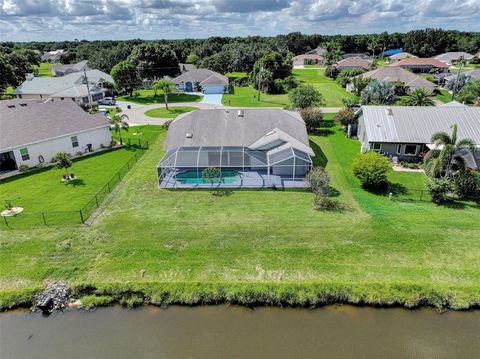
[(453, 104), (392, 52), (422, 65), (73, 86), (52, 56), (33, 131), (202, 80), (353, 63), (185, 67), (450, 57), (315, 56), (252, 147), (358, 55), (406, 131), (397, 74), (61, 70), (400, 56), (471, 74)]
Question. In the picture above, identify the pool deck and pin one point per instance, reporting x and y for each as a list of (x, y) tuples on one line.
[(246, 180)]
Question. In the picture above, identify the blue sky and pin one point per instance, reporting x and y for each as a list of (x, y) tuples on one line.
[(28, 20)]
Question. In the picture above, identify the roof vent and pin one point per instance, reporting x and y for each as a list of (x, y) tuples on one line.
[(11, 106), (189, 135), (241, 113), (389, 112), (23, 104)]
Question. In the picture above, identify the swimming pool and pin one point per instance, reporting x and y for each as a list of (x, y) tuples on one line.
[(191, 177)]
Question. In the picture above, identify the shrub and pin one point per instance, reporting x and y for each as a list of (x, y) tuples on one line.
[(400, 88), (346, 75), (79, 153), (318, 181), (345, 117), (102, 146), (23, 167), (359, 83), (466, 184), (331, 72), (439, 188), (325, 203), (378, 93), (313, 118), (349, 102), (166, 124), (371, 169), (305, 96)]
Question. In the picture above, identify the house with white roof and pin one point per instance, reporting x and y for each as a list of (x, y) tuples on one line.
[(406, 131), (449, 58), (77, 86), (32, 132), (251, 147), (202, 80), (61, 70)]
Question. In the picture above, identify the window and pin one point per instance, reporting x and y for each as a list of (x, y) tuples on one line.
[(410, 150), (377, 147), (399, 149), (74, 141), (24, 154)]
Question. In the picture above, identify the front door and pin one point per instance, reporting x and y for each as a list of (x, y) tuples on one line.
[(188, 87), (7, 161)]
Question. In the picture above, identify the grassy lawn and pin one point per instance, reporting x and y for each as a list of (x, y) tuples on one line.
[(45, 69), (147, 97), (247, 97), (444, 96), (250, 245), (172, 112)]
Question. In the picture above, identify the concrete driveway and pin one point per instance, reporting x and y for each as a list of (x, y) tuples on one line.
[(212, 99)]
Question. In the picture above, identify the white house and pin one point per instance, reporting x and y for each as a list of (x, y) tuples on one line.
[(73, 86), (32, 132), (202, 80)]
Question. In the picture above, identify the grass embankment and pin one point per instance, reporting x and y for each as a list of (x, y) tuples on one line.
[(257, 246), (331, 91), (45, 69), (172, 112), (147, 97)]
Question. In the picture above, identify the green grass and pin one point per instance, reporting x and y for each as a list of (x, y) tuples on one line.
[(236, 74), (444, 96), (172, 112), (331, 91), (257, 245), (147, 97), (45, 69)]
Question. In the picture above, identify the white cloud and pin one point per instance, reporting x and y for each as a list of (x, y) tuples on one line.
[(24, 20)]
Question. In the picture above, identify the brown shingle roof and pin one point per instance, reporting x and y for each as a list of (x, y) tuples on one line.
[(394, 74), (353, 62), (420, 62)]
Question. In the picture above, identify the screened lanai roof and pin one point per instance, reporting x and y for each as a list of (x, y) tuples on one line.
[(230, 156)]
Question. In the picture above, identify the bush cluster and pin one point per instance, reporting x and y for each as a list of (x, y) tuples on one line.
[(345, 117), (439, 188), (23, 167), (371, 168), (313, 118)]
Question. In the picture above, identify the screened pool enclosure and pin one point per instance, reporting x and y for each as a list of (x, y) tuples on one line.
[(283, 166)]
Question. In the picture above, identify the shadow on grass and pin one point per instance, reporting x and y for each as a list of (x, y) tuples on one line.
[(333, 192), (172, 98), (77, 182), (319, 159), (222, 192)]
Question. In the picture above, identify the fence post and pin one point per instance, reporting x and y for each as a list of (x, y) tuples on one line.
[(81, 216), (136, 157), (118, 173), (421, 194), (139, 143), (96, 200), (147, 144), (44, 220), (129, 144), (108, 184), (128, 165), (5, 219)]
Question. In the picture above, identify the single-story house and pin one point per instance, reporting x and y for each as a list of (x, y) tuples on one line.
[(251, 147), (73, 86), (422, 65), (397, 74), (186, 67), (315, 56), (471, 74), (353, 63), (453, 104), (450, 57), (52, 56), (34, 131), (400, 56), (202, 80), (61, 70), (405, 132), (358, 55)]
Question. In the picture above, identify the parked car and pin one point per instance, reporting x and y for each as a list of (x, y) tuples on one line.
[(107, 101)]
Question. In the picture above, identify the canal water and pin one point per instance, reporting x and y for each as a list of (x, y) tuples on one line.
[(237, 332)]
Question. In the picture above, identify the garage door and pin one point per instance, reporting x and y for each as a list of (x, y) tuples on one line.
[(208, 89)]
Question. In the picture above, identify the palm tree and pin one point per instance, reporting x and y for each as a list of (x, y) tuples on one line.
[(166, 86), (119, 123), (419, 97), (440, 161), (63, 160)]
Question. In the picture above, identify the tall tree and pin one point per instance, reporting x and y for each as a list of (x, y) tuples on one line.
[(154, 61), (166, 86), (119, 123), (125, 76), (419, 97)]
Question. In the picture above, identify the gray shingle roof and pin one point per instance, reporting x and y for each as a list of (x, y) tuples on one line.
[(37, 121), (394, 74), (227, 128), (61, 70), (404, 124), (199, 75), (448, 57), (401, 56), (353, 62), (52, 85)]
